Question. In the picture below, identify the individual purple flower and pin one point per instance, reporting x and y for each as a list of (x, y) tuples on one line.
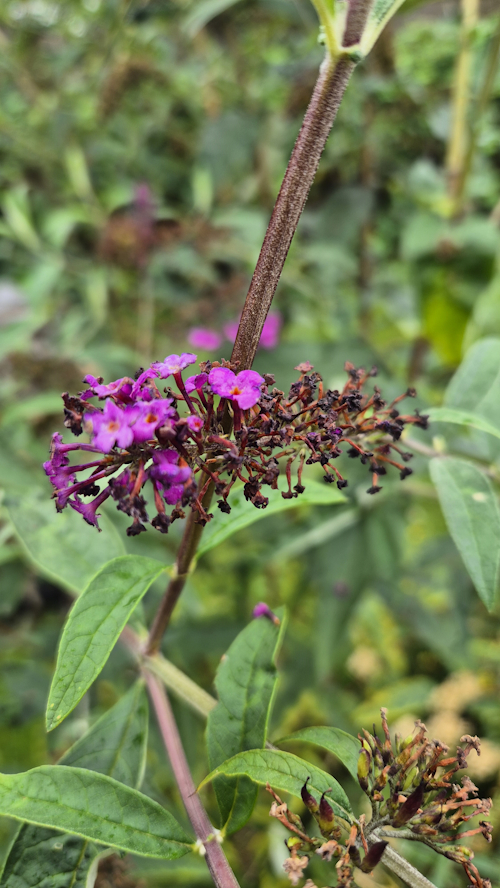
[(195, 383), (263, 610), (112, 426), (137, 388), (120, 388), (170, 474), (174, 364), (195, 423), (271, 330), (243, 388), (89, 510), (148, 416), (203, 337)]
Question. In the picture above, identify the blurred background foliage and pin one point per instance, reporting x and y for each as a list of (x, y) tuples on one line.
[(142, 145)]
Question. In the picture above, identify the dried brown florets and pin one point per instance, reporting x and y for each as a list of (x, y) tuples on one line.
[(410, 786)]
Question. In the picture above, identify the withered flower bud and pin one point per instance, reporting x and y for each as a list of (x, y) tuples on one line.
[(373, 857), (409, 808), (309, 800)]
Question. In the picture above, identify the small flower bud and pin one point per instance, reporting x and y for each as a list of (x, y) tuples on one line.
[(309, 800), (373, 857), (364, 767), (326, 820)]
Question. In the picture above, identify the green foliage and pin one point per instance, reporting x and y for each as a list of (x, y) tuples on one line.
[(344, 746), (246, 684), (471, 510), (115, 746), (57, 543), (95, 807), (93, 628), (242, 516), (285, 773)]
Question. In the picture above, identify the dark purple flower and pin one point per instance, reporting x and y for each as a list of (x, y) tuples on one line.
[(195, 383), (243, 388), (166, 468), (174, 364), (150, 373), (203, 337), (148, 416), (120, 389), (89, 510), (112, 426)]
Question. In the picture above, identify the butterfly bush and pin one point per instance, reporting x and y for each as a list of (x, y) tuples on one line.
[(216, 427)]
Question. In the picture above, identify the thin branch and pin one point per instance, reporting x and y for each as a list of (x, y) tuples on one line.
[(220, 870)]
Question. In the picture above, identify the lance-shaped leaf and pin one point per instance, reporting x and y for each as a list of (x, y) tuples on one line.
[(341, 744), (59, 544), (94, 807), (472, 515), (461, 417), (116, 746), (246, 683), (93, 627), (381, 12), (285, 773), (243, 513)]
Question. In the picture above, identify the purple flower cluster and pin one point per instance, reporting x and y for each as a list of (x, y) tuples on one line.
[(215, 428), (141, 432)]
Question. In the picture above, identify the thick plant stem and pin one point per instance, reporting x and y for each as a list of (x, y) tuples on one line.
[(299, 176), (221, 872), (330, 86)]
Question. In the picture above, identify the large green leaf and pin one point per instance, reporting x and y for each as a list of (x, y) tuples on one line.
[(116, 746), (285, 773), (61, 545), (461, 417), (472, 515), (339, 743), (246, 683), (94, 626), (476, 384), (244, 513), (94, 807)]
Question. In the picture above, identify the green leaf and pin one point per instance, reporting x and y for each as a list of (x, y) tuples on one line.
[(246, 683), (476, 383), (116, 746), (94, 626), (380, 13), (61, 545), (339, 743), (244, 513), (285, 773), (460, 417), (94, 807), (472, 515)]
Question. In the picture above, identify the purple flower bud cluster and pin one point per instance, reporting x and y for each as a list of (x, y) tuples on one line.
[(216, 427)]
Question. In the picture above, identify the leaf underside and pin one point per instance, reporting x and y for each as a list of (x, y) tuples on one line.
[(339, 743)]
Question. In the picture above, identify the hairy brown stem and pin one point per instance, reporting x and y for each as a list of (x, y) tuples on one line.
[(328, 92), (221, 872), (330, 86)]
